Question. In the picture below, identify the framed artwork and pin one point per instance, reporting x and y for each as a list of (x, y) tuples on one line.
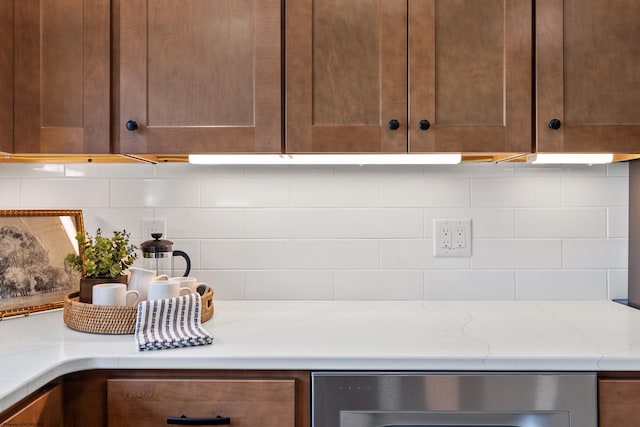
[(33, 247)]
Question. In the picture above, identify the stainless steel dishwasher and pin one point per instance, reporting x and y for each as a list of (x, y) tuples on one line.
[(403, 399)]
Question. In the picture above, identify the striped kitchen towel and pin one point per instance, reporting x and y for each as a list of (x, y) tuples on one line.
[(170, 323)]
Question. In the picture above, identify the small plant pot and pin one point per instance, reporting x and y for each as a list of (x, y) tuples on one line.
[(87, 284)]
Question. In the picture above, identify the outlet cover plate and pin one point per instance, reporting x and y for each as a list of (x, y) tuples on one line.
[(452, 238)]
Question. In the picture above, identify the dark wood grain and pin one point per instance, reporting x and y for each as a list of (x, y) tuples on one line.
[(587, 61), (470, 75), (618, 401), (148, 402), (6, 75), (209, 70), (61, 76), (345, 76), (44, 408)]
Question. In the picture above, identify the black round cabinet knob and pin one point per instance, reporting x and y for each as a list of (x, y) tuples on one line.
[(131, 125), (555, 124), (393, 124), (424, 124)]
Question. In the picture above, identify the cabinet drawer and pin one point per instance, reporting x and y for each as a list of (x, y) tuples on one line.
[(42, 409), (148, 402)]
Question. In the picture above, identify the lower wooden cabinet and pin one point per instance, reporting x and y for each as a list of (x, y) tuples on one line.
[(249, 398), (154, 402), (44, 408), (618, 402)]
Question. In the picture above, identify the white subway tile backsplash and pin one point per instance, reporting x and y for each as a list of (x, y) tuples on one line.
[(109, 220), (516, 254), (202, 223), (287, 223), (288, 171), (335, 192), (378, 172), (351, 232), (561, 285), (618, 284), (415, 254), (243, 192), (31, 170), (560, 170), (10, 193), (469, 285), (516, 192), (378, 285), (378, 223), (151, 192), (185, 170), (245, 254), (289, 285), (333, 254), (226, 284), (618, 222), (64, 193), (618, 169), (485, 222), (595, 253), (555, 222), (471, 170), (427, 192), (610, 191), (107, 170)]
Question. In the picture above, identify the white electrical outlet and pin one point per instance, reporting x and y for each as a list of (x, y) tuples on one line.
[(452, 237), (153, 225)]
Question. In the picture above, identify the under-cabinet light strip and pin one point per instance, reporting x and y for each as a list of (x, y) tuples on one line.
[(570, 158), (326, 159)]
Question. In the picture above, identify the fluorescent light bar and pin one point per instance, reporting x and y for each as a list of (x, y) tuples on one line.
[(326, 159), (570, 158)]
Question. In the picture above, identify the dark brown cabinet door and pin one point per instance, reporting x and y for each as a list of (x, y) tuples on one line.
[(455, 74), (198, 76), (470, 75), (346, 72), (148, 402), (618, 401), (43, 409), (587, 60), (60, 76), (6, 75)]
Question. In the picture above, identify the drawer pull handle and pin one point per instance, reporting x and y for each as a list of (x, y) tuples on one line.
[(188, 421)]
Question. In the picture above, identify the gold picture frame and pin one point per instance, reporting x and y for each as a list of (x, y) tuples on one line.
[(33, 272)]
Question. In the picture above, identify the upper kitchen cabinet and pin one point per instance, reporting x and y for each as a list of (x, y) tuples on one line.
[(416, 75), (6, 75), (197, 76), (59, 66), (588, 83)]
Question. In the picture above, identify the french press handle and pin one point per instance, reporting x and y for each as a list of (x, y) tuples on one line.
[(187, 260)]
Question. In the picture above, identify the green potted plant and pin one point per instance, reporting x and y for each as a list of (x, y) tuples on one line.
[(101, 259)]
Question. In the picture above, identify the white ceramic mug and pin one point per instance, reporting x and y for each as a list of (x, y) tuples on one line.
[(187, 282), (163, 289), (140, 279), (113, 294)]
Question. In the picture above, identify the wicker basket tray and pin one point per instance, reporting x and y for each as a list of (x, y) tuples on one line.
[(106, 319)]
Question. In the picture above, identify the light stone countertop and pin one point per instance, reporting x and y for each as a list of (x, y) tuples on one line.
[(343, 335)]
